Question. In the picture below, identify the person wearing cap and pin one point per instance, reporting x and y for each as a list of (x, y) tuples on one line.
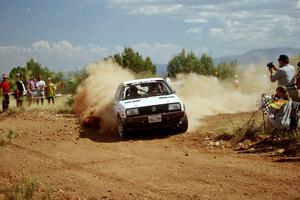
[(50, 91), (285, 75), (5, 88), (20, 91)]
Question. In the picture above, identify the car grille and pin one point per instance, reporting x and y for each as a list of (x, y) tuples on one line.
[(149, 110)]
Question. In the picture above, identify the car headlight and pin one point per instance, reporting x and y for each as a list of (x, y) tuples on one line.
[(132, 111), (174, 106)]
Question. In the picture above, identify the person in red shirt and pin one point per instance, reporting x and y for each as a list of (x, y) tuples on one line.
[(5, 88)]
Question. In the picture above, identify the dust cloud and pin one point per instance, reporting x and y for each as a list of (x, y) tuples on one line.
[(201, 95), (93, 99)]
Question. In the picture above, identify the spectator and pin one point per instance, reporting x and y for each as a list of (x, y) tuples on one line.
[(40, 90), (20, 91), (285, 76), (5, 88), (51, 91), (282, 107), (31, 90)]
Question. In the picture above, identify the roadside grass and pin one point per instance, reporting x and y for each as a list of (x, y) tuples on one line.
[(255, 126), (26, 189), (7, 137), (249, 130), (62, 105), (255, 135)]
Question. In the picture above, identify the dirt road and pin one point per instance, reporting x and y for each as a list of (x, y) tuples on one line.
[(84, 164)]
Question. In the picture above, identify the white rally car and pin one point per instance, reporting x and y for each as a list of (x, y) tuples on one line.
[(147, 104)]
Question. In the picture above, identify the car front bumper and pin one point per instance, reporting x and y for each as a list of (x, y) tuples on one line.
[(168, 120)]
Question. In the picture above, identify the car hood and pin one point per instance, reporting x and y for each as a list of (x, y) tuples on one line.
[(150, 101)]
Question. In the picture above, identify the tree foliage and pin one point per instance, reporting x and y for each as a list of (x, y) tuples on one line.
[(134, 61), (185, 62), (226, 70), (188, 62), (34, 69)]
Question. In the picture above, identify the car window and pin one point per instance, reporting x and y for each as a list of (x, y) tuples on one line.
[(146, 89)]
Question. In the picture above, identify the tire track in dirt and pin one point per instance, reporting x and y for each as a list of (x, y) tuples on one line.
[(82, 171), (171, 167)]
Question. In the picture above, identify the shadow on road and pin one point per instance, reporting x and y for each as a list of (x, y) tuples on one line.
[(97, 136), (286, 160), (276, 147)]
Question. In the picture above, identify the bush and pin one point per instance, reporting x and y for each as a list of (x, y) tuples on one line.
[(249, 131), (6, 138), (26, 189)]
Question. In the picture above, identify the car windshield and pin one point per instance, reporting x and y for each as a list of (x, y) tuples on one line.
[(145, 89)]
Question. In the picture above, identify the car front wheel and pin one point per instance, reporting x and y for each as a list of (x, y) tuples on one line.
[(123, 133), (183, 127)]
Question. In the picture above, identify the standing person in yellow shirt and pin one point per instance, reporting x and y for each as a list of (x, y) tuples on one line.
[(50, 91)]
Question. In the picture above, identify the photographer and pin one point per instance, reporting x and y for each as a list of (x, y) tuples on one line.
[(285, 76)]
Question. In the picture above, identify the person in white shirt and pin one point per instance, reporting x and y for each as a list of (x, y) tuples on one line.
[(40, 90), (285, 75)]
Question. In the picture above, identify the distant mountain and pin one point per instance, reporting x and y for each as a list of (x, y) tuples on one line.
[(257, 56)]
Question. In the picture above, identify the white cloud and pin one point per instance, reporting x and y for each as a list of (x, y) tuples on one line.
[(298, 4), (41, 45), (58, 47), (196, 21), (194, 30), (158, 52), (154, 10), (216, 32), (56, 55), (63, 55), (228, 21)]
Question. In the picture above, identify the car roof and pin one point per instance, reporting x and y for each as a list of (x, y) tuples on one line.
[(145, 80)]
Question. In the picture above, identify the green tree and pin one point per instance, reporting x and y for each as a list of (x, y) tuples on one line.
[(206, 65), (177, 64), (227, 70), (21, 70), (150, 66), (35, 69), (189, 62), (134, 61)]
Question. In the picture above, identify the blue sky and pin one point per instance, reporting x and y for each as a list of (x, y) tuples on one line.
[(68, 34)]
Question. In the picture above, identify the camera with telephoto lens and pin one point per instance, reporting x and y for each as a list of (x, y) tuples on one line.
[(270, 65)]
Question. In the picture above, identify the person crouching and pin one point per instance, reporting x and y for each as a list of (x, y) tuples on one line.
[(283, 109)]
